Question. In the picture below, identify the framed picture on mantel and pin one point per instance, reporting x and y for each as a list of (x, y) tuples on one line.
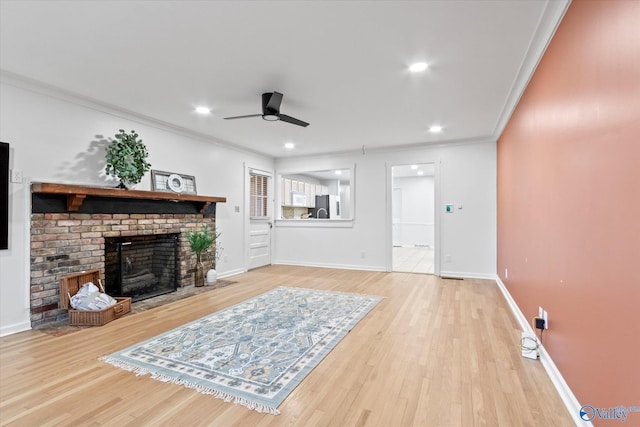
[(173, 182)]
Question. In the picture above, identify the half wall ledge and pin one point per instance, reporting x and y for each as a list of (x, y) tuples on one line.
[(62, 198)]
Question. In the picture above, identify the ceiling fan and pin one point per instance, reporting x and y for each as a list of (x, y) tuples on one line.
[(271, 110)]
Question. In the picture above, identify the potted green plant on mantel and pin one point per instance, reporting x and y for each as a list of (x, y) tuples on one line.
[(200, 242), (126, 159)]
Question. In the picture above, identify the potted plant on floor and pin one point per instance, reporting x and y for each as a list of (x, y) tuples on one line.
[(199, 242)]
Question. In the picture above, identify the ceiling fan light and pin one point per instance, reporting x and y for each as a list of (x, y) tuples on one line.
[(270, 117)]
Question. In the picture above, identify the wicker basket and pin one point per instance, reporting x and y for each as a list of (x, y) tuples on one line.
[(70, 284)]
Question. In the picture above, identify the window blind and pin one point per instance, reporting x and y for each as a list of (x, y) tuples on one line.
[(259, 207)]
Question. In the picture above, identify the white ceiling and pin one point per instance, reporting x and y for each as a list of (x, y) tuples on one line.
[(341, 65)]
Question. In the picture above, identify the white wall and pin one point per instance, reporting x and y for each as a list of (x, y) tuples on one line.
[(465, 174), (416, 223), (56, 140)]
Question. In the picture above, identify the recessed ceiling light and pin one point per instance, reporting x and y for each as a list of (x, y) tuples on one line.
[(203, 110), (418, 67), (414, 167), (435, 129), (289, 145), (420, 173), (338, 172)]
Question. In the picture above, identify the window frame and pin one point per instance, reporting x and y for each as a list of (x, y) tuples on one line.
[(315, 222), (259, 201)]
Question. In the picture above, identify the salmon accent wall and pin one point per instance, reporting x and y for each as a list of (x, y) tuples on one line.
[(569, 201)]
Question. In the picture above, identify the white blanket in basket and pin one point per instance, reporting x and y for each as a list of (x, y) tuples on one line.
[(89, 298)]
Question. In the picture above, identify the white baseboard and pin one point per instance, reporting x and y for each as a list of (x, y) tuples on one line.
[(457, 274), (324, 265), (231, 273), (15, 328), (567, 396)]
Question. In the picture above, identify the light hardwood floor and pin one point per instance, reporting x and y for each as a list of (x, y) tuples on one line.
[(434, 352)]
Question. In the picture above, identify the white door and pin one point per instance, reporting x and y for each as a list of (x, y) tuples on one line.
[(260, 188)]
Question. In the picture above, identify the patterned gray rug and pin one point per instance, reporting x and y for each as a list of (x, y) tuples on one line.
[(253, 353)]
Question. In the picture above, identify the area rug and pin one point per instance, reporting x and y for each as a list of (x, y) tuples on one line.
[(253, 353)]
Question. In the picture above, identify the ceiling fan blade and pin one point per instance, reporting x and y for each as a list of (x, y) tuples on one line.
[(274, 102), (293, 120), (243, 117)]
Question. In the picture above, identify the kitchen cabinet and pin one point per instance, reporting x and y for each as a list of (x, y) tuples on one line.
[(292, 187), (286, 192), (311, 195)]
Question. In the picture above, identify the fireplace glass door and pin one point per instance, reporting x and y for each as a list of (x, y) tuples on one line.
[(141, 267)]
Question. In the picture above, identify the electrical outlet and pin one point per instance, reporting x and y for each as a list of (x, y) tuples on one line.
[(506, 273), (447, 258), (16, 176), (363, 254), (546, 319), (540, 311)]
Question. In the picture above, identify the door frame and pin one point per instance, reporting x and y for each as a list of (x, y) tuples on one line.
[(247, 211), (389, 213)]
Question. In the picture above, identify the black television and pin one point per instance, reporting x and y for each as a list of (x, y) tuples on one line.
[(4, 195)]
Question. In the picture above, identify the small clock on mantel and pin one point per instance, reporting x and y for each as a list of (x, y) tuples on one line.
[(173, 182)]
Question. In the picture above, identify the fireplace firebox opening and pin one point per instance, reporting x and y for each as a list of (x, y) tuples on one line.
[(142, 267)]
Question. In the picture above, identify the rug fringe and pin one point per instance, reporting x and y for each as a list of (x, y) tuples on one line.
[(227, 397)]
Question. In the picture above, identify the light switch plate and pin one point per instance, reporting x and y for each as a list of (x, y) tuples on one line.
[(16, 176)]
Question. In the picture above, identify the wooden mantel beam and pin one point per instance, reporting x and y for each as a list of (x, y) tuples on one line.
[(76, 195)]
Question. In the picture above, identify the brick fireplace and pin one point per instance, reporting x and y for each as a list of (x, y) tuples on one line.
[(69, 242)]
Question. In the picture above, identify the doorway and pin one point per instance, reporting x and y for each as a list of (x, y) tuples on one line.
[(260, 218), (413, 218)]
